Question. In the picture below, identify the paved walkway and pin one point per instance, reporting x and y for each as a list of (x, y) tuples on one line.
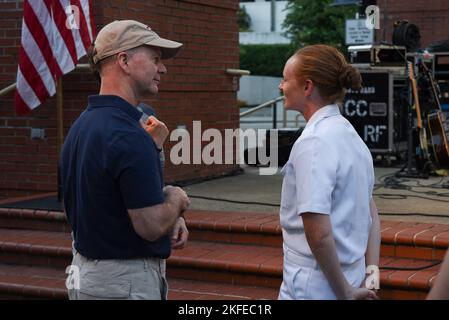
[(423, 200)]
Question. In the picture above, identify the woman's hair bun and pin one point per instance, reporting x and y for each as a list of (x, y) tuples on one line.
[(350, 78)]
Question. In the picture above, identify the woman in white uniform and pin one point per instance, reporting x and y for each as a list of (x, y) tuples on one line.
[(329, 221)]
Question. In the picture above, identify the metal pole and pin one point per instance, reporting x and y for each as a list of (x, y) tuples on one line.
[(60, 132), (59, 117), (284, 111), (275, 120), (8, 89), (13, 86), (273, 15)]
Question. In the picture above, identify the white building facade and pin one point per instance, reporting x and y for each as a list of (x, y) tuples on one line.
[(263, 29), (254, 89)]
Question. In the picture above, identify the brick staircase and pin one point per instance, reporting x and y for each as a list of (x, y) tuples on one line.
[(229, 256)]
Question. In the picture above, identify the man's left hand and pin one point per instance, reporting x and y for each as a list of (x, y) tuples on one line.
[(157, 130), (180, 234)]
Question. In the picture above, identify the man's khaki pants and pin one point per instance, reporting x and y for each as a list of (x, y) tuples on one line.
[(130, 279)]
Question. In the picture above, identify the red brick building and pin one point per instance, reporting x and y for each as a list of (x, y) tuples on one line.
[(196, 87), (431, 17)]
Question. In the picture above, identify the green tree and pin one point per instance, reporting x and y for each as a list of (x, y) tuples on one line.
[(312, 22), (265, 59), (243, 19)]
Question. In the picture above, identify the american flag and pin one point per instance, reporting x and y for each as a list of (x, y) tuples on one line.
[(55, 35)]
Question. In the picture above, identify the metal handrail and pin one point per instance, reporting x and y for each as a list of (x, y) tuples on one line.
[(261, 106), (297, 119), (238, 72), (271, 103), (12, 86), (8, 89)]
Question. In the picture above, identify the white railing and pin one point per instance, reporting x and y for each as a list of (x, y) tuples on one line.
[(270, 103), (12, 86)]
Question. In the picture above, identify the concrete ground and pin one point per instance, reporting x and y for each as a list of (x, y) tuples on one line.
[(404, 199)]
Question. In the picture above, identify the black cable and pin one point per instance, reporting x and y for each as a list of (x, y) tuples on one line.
[(409, 214), (399, 181), (382, 214), (438, 184), (234, 201), (389, 196), (277, 205), (412, 268), (430, 185), (390, 181), (385, 175)]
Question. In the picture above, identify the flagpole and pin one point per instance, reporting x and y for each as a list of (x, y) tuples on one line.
[(59, 117), (60, 132)]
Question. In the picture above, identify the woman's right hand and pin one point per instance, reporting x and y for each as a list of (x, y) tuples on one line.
[(360, 294)]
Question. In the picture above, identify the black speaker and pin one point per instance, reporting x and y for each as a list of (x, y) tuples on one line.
[(406, 34), (285, 139)]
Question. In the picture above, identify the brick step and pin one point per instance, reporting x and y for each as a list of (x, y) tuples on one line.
[(21, 282), (230, 227), (27, 219), (222, 263), (399, 278), (228, 263), (237, 263), (414, 240), (180, 289), (231, 248), (399, 239), (411, 240), (31, 282), (235, 227), (37, 248), (406, 278)]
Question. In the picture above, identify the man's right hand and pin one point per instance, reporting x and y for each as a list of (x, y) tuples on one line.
[(153, 222), (178, 196)]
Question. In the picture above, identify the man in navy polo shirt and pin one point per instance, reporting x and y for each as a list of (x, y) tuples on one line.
[(124, 221)]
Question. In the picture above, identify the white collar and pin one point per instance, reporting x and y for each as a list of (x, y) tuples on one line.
[(324, 112)]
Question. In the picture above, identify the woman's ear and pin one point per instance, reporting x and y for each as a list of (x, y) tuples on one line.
[(308, 87)]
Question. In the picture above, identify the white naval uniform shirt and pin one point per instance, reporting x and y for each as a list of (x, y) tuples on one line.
[(330, 171)]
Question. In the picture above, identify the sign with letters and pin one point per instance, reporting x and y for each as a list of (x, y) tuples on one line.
[(358, 33), (370, 110)]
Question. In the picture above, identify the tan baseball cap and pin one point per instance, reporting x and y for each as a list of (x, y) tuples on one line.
[(122, 35)]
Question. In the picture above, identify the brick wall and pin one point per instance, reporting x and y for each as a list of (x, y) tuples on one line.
[(195, 88), (431, 17)]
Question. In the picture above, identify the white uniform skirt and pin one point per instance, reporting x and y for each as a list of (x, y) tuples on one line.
[(304, 280)]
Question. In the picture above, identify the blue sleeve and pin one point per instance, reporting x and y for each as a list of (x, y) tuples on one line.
[(134, 163)]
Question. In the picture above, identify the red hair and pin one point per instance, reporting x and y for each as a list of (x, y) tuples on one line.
[(328, 70)]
